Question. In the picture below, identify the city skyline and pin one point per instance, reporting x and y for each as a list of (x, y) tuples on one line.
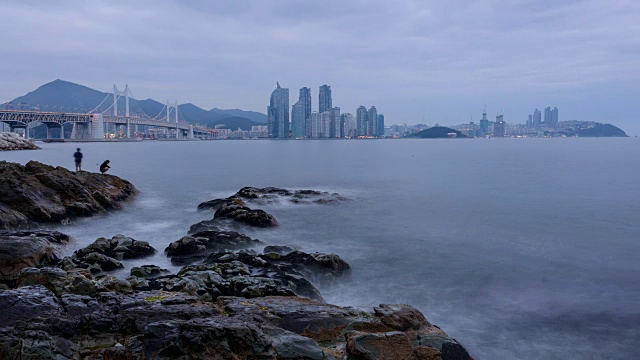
[(425, 62)]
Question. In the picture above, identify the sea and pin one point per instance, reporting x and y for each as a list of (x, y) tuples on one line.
[(518, 248)]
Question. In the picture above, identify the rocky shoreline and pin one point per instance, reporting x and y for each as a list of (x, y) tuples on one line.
[(39, 193), (12, 141), (234, 298)]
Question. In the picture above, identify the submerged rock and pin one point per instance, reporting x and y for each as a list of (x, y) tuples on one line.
[(37, 192)]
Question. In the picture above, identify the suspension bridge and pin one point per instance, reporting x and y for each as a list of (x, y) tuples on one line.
[(104, 123)]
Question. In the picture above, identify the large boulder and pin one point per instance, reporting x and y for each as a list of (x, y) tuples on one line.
[(37, 192), (118, 247), (205, 242), (237, 211), (24, 249)]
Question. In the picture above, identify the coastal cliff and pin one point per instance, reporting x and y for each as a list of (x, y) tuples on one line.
[(234, 298)]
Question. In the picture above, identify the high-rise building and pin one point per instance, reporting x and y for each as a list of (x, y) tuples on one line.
[(349, 123), (554, 116), (548, 121), (278, 113), (335, 123), (530, 122), (316, 125), (499, 126), (381, 125), (305, 99), (324, 99), (372, 126), (484, 124), (537, 119), (325, 124), (298, 121), (362, 120)]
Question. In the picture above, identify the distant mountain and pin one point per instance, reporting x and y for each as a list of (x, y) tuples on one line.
[(251, 115), (64, 96), (60, 95), (234, 123), (438, 132)]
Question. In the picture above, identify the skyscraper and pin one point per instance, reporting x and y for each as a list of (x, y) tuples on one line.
[(324, 99), (278, 113), (325, 121), (298, 122), (372, 126), (554, 116), (305, 99), (362, 118), (348, 124), (380, 125), (484, 124), (335, 123), (499, 126), (530, 122), (548, 121), (537, 118)]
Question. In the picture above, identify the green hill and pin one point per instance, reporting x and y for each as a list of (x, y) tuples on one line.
[(601, 130), (438, 132)]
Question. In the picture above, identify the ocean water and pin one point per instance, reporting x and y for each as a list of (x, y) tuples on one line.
[(518, 248)]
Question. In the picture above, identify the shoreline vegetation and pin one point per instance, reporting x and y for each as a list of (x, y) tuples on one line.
[(234, 298)]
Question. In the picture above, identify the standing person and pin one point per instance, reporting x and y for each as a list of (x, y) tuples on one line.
[(105, 166), (78, 158)]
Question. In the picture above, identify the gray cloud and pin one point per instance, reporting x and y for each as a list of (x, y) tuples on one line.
[(415, 60)]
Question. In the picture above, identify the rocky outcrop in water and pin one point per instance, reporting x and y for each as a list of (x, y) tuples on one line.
[(13, 141), (37, 192), (106, 254), (269, 195)]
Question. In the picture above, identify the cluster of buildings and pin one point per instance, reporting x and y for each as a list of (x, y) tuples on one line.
[(535, 125), (550, 118), (327, 122)]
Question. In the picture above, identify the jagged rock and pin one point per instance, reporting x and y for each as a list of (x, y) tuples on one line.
[(205, 225), (271, 194), (148, 271), (13, 141), (389, 345), (238, 212), (118, 247), (279, 249), (194, 248), (37, 192), (23, 249)]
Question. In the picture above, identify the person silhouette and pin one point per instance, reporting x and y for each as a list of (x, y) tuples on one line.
[(105, 167), (78, 159)]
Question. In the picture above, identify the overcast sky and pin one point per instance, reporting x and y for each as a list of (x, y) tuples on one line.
[(416, 61)]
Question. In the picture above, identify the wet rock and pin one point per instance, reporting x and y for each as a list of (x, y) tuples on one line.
[(269, 195), (190, 249), (23, 249), (389, 345), (37, 192), (118, 247), (279, 249), (148, 271), (205, 225), (26, 303), (238, 212)]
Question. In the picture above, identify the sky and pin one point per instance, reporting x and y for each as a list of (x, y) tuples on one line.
[(416, 61)]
